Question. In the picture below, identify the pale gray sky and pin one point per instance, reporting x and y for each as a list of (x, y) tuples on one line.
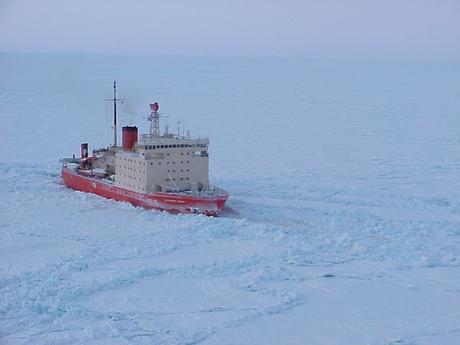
[(322, 28)]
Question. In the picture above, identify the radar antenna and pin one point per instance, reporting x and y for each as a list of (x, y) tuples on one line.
[(154, 119)]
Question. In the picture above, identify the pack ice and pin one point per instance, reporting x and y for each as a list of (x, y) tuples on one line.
[(343, 225)]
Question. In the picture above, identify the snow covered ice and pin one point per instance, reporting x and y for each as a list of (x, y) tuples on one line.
[(343, 224)]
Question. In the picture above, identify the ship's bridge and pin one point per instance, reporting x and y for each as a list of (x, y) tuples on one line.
[(150, 142)]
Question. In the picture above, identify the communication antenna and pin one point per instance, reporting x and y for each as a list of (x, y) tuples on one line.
[(178, 128), (114, 100)]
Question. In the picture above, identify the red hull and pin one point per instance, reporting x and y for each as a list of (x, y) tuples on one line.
[(210, 205)]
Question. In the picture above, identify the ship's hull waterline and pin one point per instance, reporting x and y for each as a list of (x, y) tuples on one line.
[(209, 205)]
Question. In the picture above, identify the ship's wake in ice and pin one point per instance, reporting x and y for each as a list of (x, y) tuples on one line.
[(79, 267)]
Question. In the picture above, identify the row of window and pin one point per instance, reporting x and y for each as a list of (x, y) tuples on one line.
[(181, 162), (131, 177), (135, 187), (181, 170), (135, 170), (153, 147), (133, 160), (174, 179), (188, 154), (143, 188), (151, 163)]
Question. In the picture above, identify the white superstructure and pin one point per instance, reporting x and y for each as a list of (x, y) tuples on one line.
[(163, 163)]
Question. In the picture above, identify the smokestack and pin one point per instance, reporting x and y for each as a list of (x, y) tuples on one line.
[(84, 150), (129, 137)]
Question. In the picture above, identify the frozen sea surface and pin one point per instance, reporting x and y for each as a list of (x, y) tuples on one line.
[(343, 226)]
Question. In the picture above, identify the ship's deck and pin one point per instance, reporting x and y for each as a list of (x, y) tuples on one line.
[(211, 192)]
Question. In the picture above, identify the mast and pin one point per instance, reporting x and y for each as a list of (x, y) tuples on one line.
[(114, 100), (114, 113)]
